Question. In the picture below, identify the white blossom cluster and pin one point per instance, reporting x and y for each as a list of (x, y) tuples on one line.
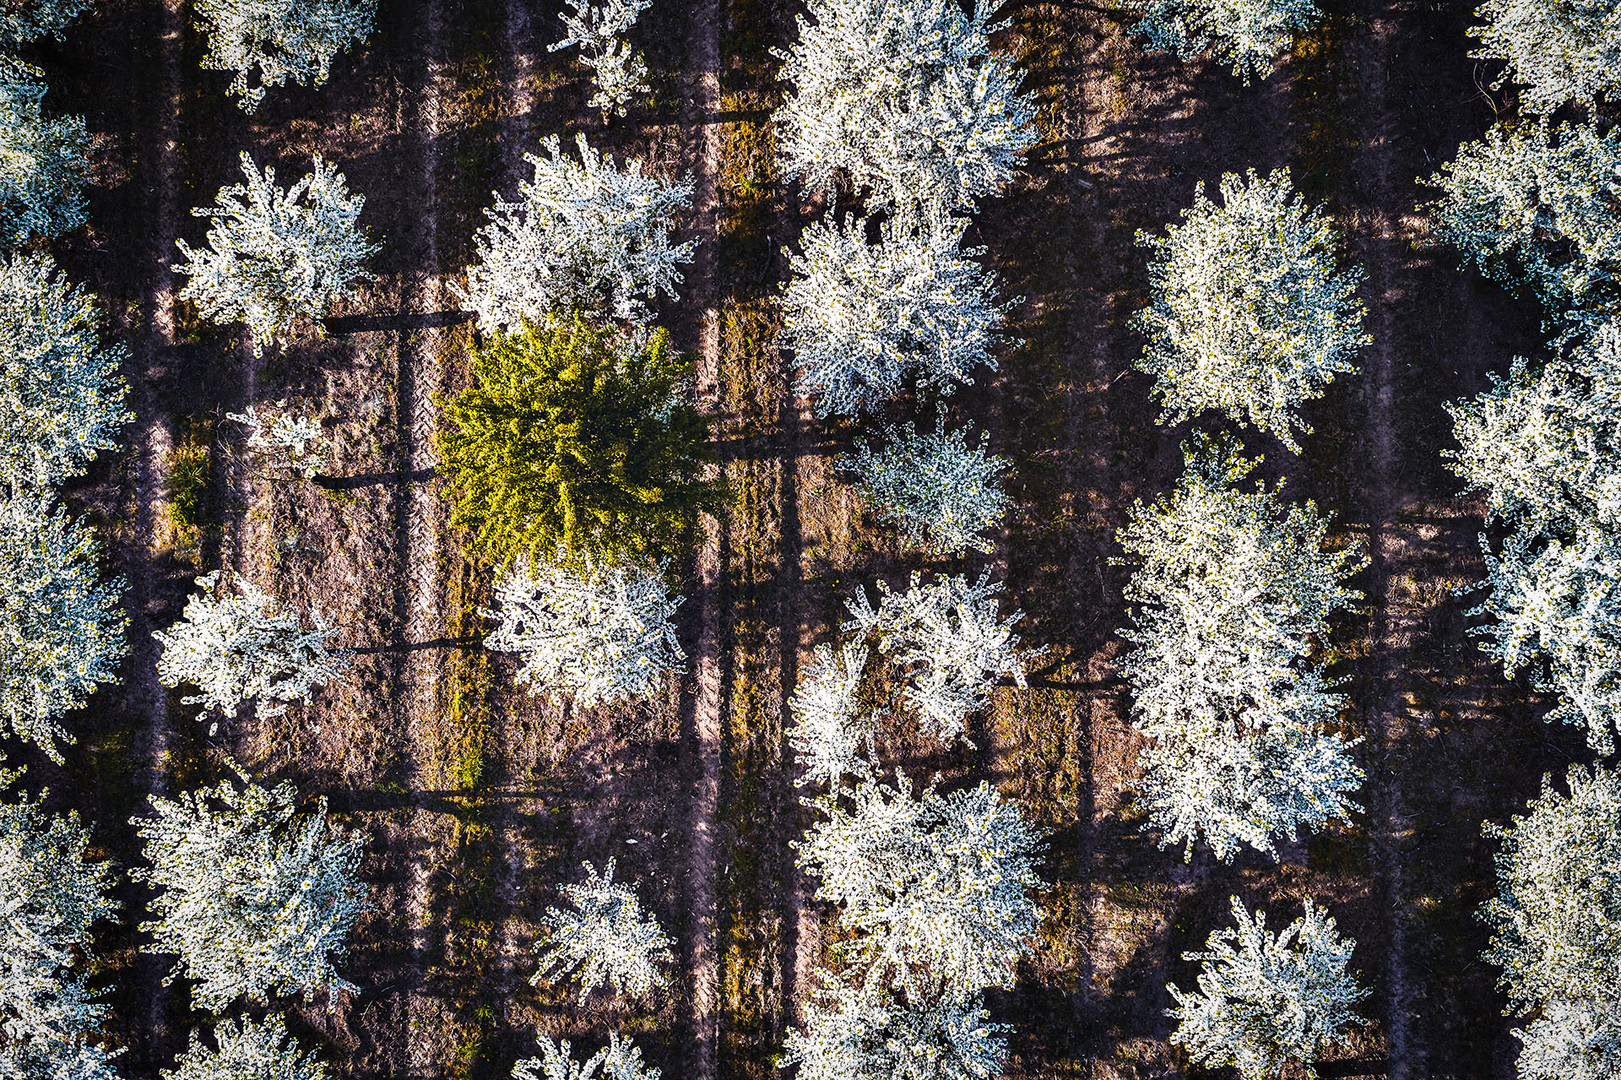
[(1557, 52), (1544, 447), (830, 729), (586, 235), (49, 896), (248, 1050), (863, 318), (61, 393), (936, 886), (43, 161), (855, 1032), (906, 97), (234, 645), (270, 42), (1264, 1001), (1248, 34), (22, 21), (599, 632), (274, 256), (946, 637), (619, 1060), (1541, 207), (61, 630), (254, 897), (298, 439), (597, 26), (1248, 312), (944, 494), (1556, 926), (1232, 591), (605, 939)]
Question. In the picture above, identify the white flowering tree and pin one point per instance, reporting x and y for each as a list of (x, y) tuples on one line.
[(276, 256), (1248, 34), (1556, 920), (596, 631), (245, 1049), (1556, 51), (50, 894), (863, 318), (937, 886), (43, 160), (254, 897), (1544, 444), (297, 441), (946, 637), (604, 939), (830, 728), (1570, 1041), (22, 21), (1539, 207), (598, 28), (63, 630), (584, 235), (943, 493), (619, 1060), (1248, 312), (1266, 1000), (270, 42), (1232, 590), (1556, 609), (234, 645), (852, 1031), (906, 98), (61, 393)]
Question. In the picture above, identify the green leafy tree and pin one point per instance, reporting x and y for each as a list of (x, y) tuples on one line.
[(573, 442), (1248, 312)]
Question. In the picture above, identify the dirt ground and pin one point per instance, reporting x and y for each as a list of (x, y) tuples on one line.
[(476, 799)]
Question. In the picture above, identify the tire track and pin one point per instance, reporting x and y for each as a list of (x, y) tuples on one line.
[(420, 522), (704, 97)]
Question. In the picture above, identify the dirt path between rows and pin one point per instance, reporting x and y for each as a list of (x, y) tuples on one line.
[(420, 518), (1394, 619), (153, 444), (704, 100)]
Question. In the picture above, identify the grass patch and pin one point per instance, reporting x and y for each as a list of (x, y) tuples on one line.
[(191, 509)]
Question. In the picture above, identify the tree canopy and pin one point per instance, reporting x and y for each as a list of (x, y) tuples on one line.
[(61, 392), (1248, 312), (43, 161), (1248, 34), (598, 28), (254, 897), (604, 938), (943, 493), (855, 1033), (1557, 51), (275, 256), (270, 42), (245, 1049), (1264, 1000), (1233, 591), (574, 442), (1556, 925), (588, 235), (906, 98)]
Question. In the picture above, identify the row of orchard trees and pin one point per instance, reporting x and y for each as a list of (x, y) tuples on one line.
[(1536, 205)]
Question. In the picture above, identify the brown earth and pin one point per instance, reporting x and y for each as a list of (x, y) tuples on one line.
[(477, 799)]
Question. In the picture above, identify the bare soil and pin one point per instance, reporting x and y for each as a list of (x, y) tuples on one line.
[(476, 800)]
